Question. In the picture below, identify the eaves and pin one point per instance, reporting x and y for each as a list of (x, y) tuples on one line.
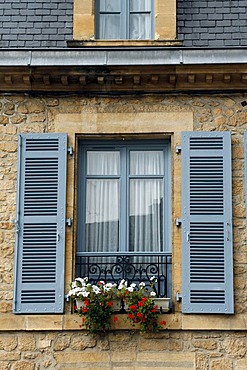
[(123, 69)]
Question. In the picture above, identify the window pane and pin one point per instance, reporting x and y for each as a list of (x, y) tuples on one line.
[(146, 215), (110, 5), (140, 5), (146, 162), (140, 26), (103, 163), (110, 28), (102, 215)]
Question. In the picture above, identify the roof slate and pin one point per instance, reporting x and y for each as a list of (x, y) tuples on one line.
[(35, 23), (49, 23)]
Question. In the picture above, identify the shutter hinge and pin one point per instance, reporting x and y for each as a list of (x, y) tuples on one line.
[(178, 222), (66, 297), (178, 149), (17, 226), (70, 150), (178, 297), (68, 222)]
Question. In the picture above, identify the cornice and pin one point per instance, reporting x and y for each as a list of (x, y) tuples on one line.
[(123, 70)]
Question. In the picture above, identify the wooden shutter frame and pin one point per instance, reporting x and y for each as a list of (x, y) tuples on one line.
[(55, 302), (188, 304)]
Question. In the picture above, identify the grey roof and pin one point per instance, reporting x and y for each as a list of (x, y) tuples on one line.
[(48, 23), (212, 23), (35, 23)]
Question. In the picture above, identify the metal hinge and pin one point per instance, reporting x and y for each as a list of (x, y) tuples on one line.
[(66, 297), (70, 150), (178, 149), (17, 226), (68, 222), (178, 297), (178, 222)]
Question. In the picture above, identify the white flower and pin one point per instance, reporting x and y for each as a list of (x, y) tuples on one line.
[(152, 294), (133, 285), (142, 284), (153, 279), (130, 289)]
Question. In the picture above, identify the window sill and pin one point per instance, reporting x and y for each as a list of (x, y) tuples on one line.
[(119, 43), (175, 321)]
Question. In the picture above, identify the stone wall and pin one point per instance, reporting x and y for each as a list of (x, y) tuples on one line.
[(73, 349), (123, 351)]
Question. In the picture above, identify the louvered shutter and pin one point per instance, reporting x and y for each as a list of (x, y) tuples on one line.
[(207, 223), (40, 224)]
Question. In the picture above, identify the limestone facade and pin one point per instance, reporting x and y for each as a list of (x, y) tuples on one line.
[(207, 342)]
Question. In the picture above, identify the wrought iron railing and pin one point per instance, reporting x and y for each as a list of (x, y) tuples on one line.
[(133, 267)]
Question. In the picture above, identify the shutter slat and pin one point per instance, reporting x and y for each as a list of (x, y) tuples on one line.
[(41, 207), (207, 223)]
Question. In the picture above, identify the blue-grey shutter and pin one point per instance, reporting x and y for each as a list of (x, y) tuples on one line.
[(40, 224), (207, 223)]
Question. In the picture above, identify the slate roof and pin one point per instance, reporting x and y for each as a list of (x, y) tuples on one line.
[(35, 23), (48, 23), (212, 23)]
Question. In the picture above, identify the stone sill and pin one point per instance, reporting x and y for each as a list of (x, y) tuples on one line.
[(175, 321), (122, 43)]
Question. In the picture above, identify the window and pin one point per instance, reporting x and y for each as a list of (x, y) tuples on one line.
[(125, 215), (125, 19)]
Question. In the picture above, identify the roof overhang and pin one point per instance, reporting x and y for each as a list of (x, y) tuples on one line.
[(123, 69)]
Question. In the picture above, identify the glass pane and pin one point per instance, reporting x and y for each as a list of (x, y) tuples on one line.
[(102, 215), (103, 163), (140, 26), (146, 162), (140, 5), (110, 28), (146, 215), (110, 5)]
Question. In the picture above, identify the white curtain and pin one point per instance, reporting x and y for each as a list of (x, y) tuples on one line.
[(102, 202), (144, 199), (146, 202), (140, 19)]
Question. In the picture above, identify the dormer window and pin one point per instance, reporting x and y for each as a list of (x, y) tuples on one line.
[(125, 22), (125, 19)]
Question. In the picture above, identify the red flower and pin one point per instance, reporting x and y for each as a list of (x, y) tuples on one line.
[(153, 310), (139, 314), (115, 319), (131, 316), (75, 307), (133, 307), (83, 320), (163, 323), (140, 304), (85, 309), (144, 299), (86, 302), (109, 303)]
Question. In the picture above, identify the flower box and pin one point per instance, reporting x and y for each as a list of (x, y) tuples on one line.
[(163, 304)]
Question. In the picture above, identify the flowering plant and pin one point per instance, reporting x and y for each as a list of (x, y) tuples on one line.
[(97, 305), (142, 309)]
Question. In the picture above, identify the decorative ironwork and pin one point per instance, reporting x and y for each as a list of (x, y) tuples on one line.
[(133, 267)]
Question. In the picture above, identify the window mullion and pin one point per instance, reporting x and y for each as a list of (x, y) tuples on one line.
[(126, 20), (123, 243)]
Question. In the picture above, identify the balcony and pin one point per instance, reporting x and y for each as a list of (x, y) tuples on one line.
[(133, 267)]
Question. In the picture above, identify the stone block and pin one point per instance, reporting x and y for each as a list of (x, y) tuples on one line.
[(26, 342), (221, 364), (84, 357)]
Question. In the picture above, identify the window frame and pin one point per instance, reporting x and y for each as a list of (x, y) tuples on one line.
[(124, 20), (101, 144)]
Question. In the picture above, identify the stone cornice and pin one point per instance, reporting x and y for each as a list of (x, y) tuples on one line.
[(123, 70)]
